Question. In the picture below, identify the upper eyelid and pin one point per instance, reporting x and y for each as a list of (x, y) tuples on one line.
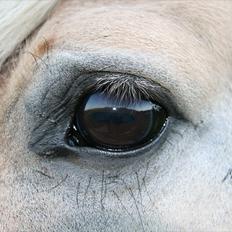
[(139, 64), (143, 66)]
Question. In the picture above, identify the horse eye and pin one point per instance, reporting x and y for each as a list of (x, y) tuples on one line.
[(103, 122)]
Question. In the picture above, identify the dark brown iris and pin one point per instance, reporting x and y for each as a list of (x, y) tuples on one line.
[(106, 123)]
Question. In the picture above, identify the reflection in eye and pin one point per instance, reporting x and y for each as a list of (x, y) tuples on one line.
[(104, 122)]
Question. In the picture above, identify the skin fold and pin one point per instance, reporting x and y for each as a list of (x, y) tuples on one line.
[(183, 183)]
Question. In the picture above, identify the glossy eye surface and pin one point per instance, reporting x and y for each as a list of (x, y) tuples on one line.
[(106, 123)]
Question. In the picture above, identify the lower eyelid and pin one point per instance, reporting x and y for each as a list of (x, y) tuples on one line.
[(94, 154)]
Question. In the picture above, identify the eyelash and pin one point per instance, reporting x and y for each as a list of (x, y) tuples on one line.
[(131, 88)]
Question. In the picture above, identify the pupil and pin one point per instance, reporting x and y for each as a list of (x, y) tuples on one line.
[(107, 123)]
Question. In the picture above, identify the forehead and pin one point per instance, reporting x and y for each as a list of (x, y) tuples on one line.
[(146, 25), (137, 25)]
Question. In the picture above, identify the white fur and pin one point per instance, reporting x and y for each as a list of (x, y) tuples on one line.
[(18, 18)]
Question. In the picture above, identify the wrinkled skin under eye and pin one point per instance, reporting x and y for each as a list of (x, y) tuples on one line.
[(110, 124)]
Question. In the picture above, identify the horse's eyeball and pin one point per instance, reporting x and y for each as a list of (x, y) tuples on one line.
[(106, 123)]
